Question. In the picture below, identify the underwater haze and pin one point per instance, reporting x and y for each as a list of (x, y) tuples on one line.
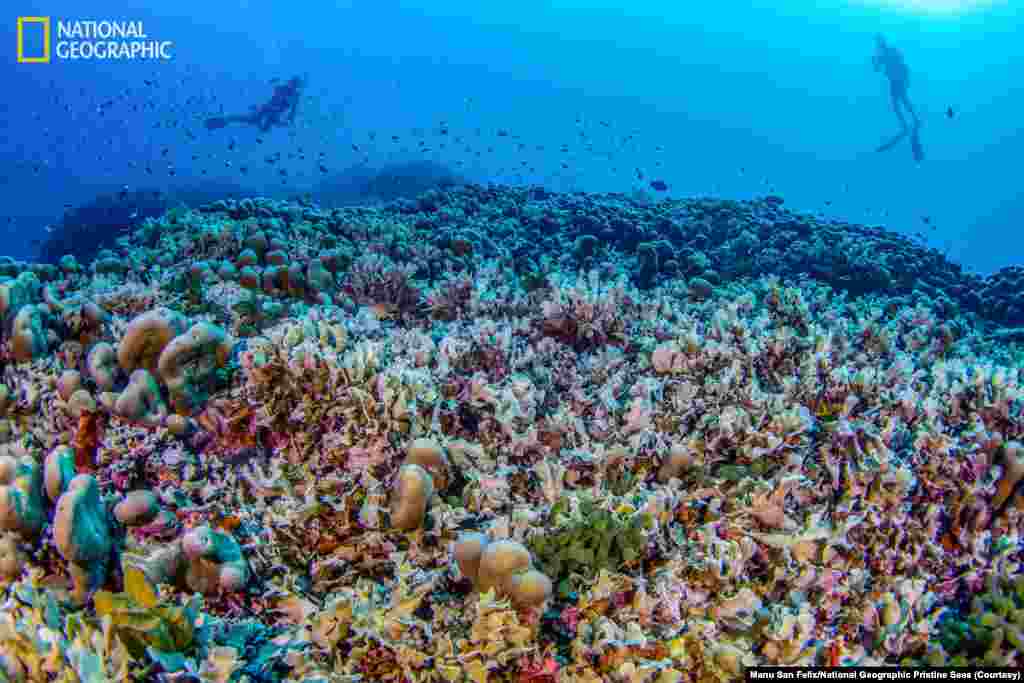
[(727, 99)]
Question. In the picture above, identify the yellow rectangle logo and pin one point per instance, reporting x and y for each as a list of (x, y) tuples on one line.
[(45, 58)]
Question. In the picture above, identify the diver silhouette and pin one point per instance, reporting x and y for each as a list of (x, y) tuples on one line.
[(890, 60), (278, 111)]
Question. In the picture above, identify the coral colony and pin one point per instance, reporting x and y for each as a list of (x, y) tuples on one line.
[(499, 434)]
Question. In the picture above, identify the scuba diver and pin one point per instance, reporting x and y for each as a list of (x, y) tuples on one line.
[(890, 60), (278, 111)]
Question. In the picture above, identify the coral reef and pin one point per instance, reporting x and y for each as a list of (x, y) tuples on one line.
[(497, 434)]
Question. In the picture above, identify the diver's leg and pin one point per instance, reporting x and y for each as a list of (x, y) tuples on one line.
[(895, 140), (915, 138), (889, 144), (910, 108), (896, 96)]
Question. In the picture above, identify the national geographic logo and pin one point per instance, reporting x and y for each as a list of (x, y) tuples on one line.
[(97, 40), (31, 22)]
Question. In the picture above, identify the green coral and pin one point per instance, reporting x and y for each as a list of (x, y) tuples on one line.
[(595, 538), (176, 214), (142, 623), (989, 633), (40, 639), (130, 636)]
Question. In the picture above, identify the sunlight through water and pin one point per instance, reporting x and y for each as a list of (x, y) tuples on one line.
[(948, 7)]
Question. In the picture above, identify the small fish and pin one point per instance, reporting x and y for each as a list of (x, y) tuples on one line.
[(659, 185), (949, 112)]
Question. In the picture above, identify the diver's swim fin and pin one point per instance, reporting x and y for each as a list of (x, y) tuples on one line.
[(891, 143), (915, 146), (216, 122)]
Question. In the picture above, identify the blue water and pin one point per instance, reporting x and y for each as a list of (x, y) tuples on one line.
[(732, 99)]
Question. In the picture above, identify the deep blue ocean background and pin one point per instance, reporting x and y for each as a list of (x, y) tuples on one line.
[(731, 99)]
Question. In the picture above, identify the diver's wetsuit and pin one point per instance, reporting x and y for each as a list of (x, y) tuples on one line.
[(890, 60), (285, 101)]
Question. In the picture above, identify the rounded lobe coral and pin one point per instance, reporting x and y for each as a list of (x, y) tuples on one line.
[(141, 401), (410, 497), (146, 337), (429, 455), (21, 498), (81, 533), (467, 552), (499, 561), (188, 363)]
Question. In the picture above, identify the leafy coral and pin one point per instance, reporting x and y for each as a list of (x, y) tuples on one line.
[(988, 633), (595, 538), (141, 622)]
